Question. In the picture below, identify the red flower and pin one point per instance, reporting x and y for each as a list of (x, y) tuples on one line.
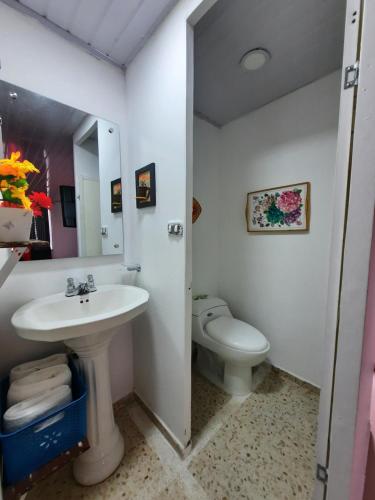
[(39, 201)]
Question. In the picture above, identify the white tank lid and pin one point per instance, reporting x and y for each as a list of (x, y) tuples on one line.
[(202, 305), (236, 334)]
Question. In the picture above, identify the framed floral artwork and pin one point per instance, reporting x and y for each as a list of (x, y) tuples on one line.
[(279, 209)]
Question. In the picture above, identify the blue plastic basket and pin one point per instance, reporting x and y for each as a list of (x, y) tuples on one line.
[(29, 448)]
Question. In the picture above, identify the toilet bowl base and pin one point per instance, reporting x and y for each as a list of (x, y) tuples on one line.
[(237, 378), (233, 378)]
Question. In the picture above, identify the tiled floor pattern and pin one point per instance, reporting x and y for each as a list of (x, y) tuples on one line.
[(255, 448), (207, 401), (140, 475), (266, 449)]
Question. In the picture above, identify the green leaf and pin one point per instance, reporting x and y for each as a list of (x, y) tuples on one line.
[(7, 196), (7, 178), (274, 215), (20, 183)]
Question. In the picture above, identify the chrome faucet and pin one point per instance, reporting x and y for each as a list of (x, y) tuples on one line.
[(82, 289), (134, 267)]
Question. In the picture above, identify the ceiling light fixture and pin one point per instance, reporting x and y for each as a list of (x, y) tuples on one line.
[(255, 59)]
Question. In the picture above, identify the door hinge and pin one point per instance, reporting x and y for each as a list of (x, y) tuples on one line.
[(351, 76), (322, 473)]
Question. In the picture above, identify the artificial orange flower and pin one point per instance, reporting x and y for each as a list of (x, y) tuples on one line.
[(11, 166), (13, 183)]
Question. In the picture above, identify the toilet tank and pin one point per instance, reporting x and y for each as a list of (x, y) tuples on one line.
[(202, 305), (205, 310)]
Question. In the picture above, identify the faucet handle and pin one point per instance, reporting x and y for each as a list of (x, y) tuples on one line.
[(70, 287), (91, 283), (70, 282)]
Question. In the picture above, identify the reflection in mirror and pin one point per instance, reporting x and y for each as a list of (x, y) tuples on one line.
[(78, 156)]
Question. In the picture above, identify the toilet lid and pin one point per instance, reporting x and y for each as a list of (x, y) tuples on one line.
[(236, 334)]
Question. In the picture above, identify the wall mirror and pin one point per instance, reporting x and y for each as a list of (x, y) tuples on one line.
[(78, 156)]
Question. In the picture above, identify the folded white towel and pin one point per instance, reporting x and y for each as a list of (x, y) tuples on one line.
[(25, 412), (38, 382), (25, 369)]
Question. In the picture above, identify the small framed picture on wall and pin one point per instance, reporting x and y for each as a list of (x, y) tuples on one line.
[(145, 186), (116, 196)]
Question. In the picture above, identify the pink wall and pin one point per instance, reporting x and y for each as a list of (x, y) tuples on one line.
[(62, 174), (369, 493), (363, 472)]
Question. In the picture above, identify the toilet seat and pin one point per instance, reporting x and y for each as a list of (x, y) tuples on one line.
[(243, 336)]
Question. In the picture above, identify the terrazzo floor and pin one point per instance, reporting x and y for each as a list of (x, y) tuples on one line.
[(254, 448)]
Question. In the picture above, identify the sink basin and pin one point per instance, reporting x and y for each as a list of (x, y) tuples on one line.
[(87, 324), (59, 318)]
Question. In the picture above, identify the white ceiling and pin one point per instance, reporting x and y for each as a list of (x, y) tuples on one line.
[(305, 38), (115, 28)]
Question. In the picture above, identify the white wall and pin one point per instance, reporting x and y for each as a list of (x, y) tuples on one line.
[(109, 170), (86, 166), (206, 230), (278, 283), (43, 62), (159, 107), (103, 164)]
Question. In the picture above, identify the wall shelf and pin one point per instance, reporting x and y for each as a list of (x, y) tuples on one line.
[(17, 249), (14, 244)]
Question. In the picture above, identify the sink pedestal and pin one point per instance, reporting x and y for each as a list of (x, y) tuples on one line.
[(106, 443)]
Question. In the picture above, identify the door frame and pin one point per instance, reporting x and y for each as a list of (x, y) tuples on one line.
[(346, 122), (355, 270)]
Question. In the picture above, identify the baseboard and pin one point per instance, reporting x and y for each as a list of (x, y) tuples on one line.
[(167, 433), (297, 378), (126, 400)]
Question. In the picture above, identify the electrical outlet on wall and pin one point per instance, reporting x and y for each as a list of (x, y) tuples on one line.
[(175, 228)]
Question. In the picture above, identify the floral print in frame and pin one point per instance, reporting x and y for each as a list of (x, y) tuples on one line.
[(284, 208)]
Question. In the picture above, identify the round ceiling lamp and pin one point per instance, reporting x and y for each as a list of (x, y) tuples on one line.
[(255, 59)]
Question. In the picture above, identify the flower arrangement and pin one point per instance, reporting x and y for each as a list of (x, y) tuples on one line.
[(14, 186), (279, 208)]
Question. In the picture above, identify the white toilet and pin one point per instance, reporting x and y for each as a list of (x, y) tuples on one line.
[(231, 348)]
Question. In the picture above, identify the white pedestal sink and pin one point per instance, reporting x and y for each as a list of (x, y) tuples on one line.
[(86, 324)]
